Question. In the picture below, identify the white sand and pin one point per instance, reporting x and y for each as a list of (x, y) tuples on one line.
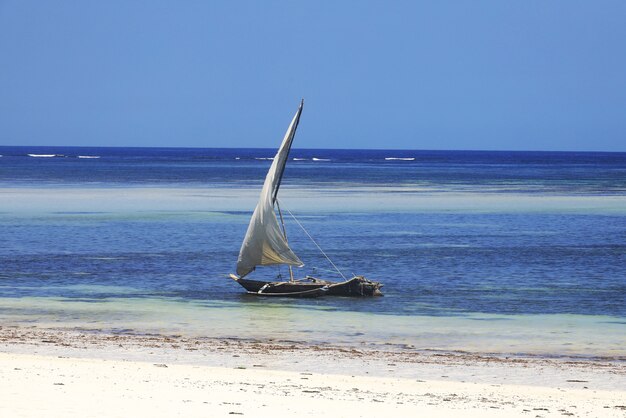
[(69, 374), (47, 386)]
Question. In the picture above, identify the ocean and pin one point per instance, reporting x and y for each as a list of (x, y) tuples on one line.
[(506, 252)]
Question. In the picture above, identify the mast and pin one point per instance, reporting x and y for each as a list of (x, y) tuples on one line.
[(282, 223), (280, 179), (265, 242)]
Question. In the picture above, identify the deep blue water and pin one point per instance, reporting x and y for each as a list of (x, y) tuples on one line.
[(560, 172), (433, 262)]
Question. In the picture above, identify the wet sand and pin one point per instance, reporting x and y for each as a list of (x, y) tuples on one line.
[(64, 372)]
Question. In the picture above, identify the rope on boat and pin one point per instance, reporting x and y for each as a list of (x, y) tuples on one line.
[(315, 269), (316, 244)]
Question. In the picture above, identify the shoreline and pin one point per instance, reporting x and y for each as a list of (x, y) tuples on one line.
[(193, 376), (80, 337), (396, 361)]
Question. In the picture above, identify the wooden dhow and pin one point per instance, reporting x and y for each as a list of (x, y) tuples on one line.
[(266, 243)]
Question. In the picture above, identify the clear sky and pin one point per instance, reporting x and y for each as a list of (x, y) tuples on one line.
[(492, 75)]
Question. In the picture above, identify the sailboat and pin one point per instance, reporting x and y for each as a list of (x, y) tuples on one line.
[(266, 243)]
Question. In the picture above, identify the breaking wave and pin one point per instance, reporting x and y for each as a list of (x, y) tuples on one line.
[(45, 155)]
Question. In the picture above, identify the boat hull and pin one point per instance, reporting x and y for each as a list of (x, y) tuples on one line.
[(254, 286), (311, 293), (356, 286)]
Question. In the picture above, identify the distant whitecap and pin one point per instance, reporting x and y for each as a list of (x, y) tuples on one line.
[(400, 159), (88, 156), (264, 158), (320, 159), (44, 155), (299, 159), (237, 158)]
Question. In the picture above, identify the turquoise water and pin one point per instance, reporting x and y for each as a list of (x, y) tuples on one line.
[(497, 252)]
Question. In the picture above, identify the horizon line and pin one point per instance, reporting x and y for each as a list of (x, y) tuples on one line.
[(318, 149)]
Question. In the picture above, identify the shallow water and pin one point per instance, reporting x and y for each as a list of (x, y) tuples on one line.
[(490, 252)]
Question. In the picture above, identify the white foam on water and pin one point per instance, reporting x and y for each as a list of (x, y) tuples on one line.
[(400, 159), (45, 155), (264, 158), (320, 159), (300, 159), (237, 158), (89, 156)]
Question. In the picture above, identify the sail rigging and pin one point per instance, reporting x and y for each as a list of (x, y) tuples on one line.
[(265, 244), (316, 244)]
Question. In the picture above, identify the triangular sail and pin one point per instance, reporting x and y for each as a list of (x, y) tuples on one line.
[(264, 243)]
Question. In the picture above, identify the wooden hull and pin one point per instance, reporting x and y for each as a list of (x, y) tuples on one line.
[(311, 293), (277, 287), (356, 286)]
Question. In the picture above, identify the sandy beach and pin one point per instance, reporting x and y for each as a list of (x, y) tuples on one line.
[(59, 372), (312, 209)]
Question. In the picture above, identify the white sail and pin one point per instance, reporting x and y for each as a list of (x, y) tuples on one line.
[(264, 243)]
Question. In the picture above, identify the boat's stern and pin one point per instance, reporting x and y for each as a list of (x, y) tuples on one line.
[(368, 287)]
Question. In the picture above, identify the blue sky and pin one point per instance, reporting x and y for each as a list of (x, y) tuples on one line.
[(492, 75)]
